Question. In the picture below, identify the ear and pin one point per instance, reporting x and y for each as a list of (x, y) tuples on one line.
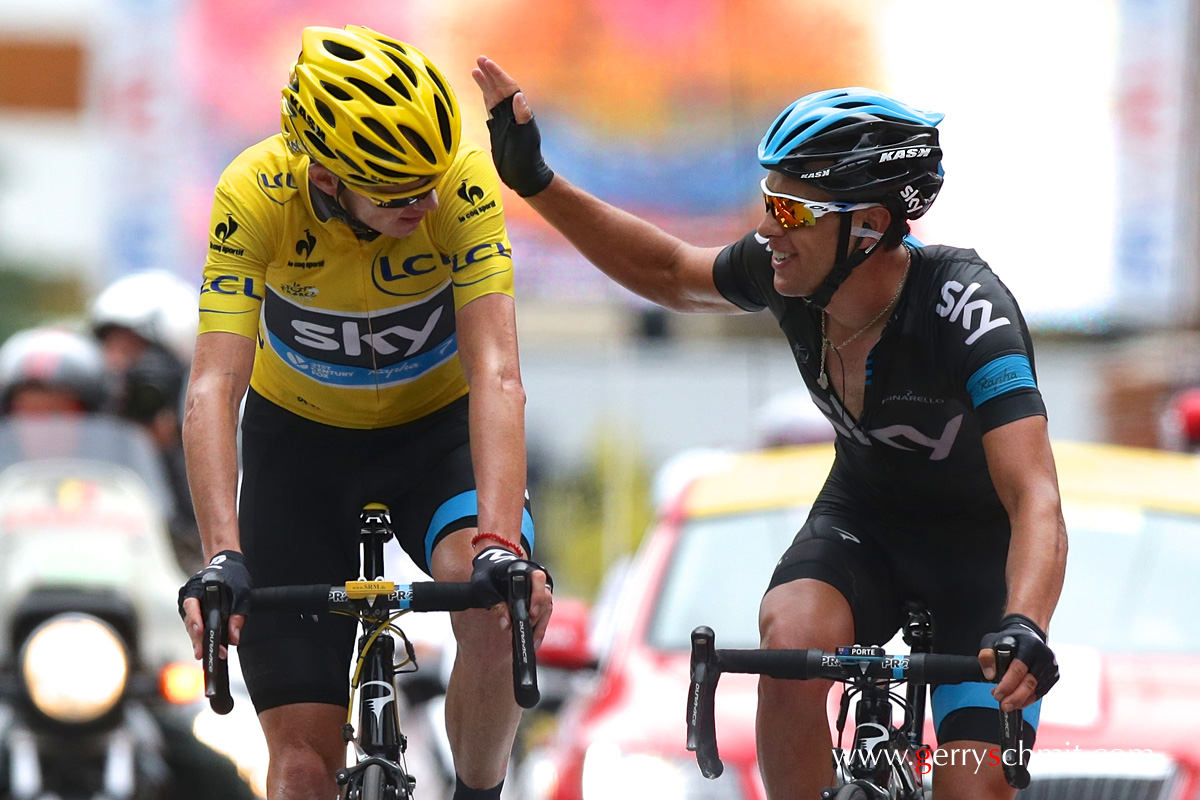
[(876, 219), (325, 180)]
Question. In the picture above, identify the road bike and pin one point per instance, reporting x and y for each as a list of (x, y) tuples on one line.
[(886, 761), (379, 771)]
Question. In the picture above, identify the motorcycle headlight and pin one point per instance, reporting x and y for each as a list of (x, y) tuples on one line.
[(609, 772), (74, 667)]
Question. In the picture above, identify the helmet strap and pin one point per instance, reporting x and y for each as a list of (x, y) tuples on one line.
[(845, 262), (330, 206)]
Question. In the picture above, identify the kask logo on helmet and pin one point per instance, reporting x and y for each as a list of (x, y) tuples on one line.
[(910, 152)]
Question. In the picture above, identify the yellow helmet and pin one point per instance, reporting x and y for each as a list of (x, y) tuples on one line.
[(371, 110)]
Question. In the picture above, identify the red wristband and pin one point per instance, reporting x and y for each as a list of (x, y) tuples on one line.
[(495, 537)]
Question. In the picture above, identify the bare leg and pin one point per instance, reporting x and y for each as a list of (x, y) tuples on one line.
[(481, 713), (793, 726), (305, 745)]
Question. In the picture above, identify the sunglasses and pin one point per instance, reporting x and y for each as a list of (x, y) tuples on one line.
[(399, 202), (796, 212)]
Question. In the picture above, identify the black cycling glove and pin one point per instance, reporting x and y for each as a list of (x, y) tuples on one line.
[(1031, 649), (489, 573), (227, 568), (517, 150)]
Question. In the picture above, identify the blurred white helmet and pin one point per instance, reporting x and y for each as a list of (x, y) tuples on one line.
[(54, 358), (791, 418), (155, 304)]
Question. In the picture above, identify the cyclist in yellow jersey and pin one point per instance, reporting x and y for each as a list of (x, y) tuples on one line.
[(358, 292)]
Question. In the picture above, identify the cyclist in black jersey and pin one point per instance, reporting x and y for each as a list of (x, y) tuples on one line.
[(943, 487), (359, 281)]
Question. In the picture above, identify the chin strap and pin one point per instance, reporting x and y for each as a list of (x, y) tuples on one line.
[(328, 205), (844, 264)]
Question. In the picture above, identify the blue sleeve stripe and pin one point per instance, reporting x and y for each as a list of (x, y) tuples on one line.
[(466, 505), (1000, 375), (952, 696)]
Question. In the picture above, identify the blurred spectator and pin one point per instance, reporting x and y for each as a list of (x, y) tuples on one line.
[(1179, 425), (146, 325), (52, 371)]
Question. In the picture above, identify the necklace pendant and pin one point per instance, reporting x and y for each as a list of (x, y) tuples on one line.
[(822, 381)]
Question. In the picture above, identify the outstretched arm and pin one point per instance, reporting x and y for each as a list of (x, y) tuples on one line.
[(639, 256)]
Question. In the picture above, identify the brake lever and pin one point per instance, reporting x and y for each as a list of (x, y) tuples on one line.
[(524, 663), (701, 719), (1011, 723), (214, 608)]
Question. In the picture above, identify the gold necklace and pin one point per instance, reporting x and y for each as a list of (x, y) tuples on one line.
[(823, 381)]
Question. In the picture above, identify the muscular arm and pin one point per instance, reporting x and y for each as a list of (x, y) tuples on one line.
[(487, 347), (220, 374), (1022, 468)]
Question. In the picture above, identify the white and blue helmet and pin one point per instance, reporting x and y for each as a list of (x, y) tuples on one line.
[(857, 144)]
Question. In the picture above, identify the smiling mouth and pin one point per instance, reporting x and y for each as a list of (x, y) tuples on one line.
[(779, 258)]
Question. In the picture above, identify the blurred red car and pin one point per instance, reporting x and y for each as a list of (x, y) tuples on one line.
[(1124, 722)]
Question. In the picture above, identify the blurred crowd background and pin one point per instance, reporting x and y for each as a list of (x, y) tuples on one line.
[(1072, 139)]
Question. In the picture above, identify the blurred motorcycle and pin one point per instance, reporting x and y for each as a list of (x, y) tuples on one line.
[(98, 688)]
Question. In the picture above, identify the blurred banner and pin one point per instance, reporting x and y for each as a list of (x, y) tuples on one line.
[(1061, 128)]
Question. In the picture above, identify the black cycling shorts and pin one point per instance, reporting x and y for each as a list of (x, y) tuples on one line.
[(954, 568), (303, 486)]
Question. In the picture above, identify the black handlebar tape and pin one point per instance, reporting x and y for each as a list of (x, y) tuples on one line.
[(433, 596), (312, 599), (524, 662), (701, 719), (214, 608), (784, 664), (1011, 723), (941, 668)]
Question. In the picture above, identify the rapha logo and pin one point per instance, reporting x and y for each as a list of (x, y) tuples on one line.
[(305, 246), (472, 194), (226, 229), (975, 316)]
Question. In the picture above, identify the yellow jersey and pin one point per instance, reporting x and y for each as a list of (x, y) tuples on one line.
[(352, 333)]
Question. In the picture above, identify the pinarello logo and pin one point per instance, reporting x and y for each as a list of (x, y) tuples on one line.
[(472, 194), (226, 229)]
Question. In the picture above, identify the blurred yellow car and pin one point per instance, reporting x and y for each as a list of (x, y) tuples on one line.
[(1123, 721)]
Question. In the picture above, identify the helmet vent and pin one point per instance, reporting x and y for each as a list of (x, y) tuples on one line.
[(353, 164), (380, 130), (391, 44), (444, 124), (438, 83), (391, 173), (417, 141), (374, 92), (344, 52), (398, 86), (336, 91), (318, 145), (374, 149), (326, 113), (403, 67)]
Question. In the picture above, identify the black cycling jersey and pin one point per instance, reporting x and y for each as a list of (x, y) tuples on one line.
[(953, 362)]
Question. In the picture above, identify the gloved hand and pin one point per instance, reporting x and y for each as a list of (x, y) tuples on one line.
[(227, 568), (1031, 650), (489, 572), (517, 150)]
